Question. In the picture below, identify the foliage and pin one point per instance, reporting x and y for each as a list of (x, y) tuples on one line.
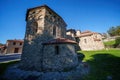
[(114, 31), (104, 64), (109, 43), (117, 42), (113, 44)]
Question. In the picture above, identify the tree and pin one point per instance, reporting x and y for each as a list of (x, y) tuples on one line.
[(117, 42), (118, 30), (114, 31)]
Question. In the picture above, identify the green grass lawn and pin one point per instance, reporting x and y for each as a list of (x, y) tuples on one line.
[(103, 63)]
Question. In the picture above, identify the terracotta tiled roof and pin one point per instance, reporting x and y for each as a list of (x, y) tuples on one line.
[(96, 39), (60, 41), (15, 40), (86, 33), (3, 47)]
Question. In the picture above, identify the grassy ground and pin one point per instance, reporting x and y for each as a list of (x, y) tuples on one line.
[(104, 63)]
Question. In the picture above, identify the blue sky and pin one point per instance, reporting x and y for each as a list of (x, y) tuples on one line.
[(94, 15)]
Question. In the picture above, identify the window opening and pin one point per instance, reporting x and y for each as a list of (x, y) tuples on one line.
[(57, 49), (85, 40), (14, 43), (20, 43), (54, 31)]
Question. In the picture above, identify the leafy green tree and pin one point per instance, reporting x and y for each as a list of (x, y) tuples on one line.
[(117, 42), (118, 30), (114, 31)]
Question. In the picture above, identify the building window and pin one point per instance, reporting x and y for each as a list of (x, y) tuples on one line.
[(20, 43), (33, 12), (16, 50), (14, 43), (56, 49), (35, 27), (54, 16), (50, 13), (85, 40), (54, 31)]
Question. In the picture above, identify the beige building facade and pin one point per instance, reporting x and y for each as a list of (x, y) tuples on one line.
[(14, 46)]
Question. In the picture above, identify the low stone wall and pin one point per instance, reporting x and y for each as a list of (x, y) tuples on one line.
[(15, 73)]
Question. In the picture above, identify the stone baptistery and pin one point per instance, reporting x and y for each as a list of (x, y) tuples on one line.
[(47, 53), (45, 45)]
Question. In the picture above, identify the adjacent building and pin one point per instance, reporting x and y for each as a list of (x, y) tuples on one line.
[(87, 40), (13, 46)]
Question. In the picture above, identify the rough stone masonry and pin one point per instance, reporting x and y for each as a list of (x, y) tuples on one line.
[(44, 25), (47, 54)]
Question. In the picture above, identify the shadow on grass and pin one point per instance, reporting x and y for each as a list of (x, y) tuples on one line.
[(104, 66)]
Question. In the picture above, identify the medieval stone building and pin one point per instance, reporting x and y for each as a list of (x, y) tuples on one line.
[(87, 40), (45, 45), (90, 41), (47, 53)]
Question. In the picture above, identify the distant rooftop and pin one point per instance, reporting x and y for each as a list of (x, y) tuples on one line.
[(16, 40), (86, 33)]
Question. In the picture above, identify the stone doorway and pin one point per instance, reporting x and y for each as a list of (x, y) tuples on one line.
[(16, 50)]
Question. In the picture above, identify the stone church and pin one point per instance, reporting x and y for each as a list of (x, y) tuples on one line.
[(47, 53), (45, 45), (87, 40)]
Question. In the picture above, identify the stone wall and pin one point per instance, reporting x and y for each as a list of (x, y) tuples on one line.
[(43, 24), (66, 58), (31, 58), (54, 24), (93, 42)]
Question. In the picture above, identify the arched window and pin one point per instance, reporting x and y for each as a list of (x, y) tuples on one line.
[(34, 27), (85, 40), (54, 31)]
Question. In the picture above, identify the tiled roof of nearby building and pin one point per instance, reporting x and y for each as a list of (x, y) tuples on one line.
[(1, 46), (86, 33), (71, 30), (16, 40), (60, 41), (4, 46), (95, 39)]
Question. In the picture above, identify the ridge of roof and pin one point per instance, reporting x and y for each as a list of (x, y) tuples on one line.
[(17, 40), (60, 41)]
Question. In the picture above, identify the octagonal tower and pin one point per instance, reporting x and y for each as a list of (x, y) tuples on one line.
[(43, 25)]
